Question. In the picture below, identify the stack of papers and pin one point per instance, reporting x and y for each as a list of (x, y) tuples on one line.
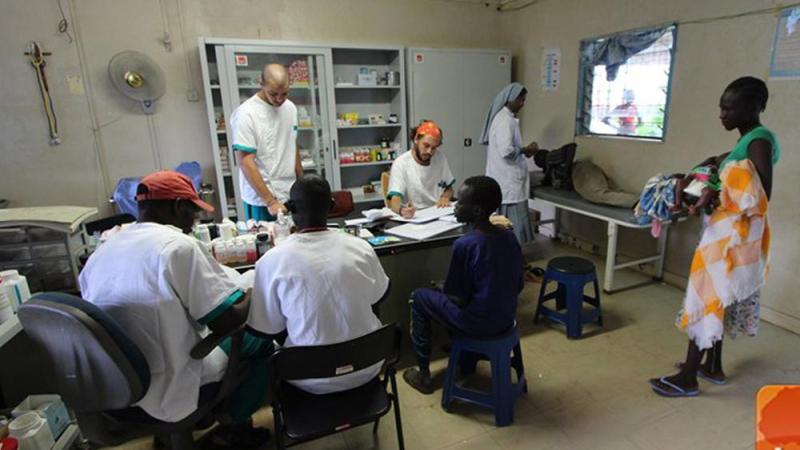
[(421, 231), (426, 215)]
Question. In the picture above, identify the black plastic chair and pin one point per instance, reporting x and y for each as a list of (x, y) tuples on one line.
[(302, 417), (101, 373)]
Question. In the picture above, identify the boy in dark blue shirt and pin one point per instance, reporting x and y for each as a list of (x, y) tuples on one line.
[(485, 277)]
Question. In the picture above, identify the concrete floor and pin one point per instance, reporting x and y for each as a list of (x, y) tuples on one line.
[(592, 393)]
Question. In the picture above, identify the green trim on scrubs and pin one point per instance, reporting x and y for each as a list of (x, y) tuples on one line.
[(392, 194), (227, 303), (244, 148), (257, 213)]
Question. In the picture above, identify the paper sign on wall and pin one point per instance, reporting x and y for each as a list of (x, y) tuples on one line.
[(241, 60), (551, 69)]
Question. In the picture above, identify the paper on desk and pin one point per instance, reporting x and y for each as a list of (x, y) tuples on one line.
[(421, 231), (426, 214), (451, 218), (360, 221)]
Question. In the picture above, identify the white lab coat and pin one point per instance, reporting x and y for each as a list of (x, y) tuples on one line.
[(504, 159)]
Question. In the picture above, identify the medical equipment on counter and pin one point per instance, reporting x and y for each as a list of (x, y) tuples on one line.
[(31, 432), (6, 311), (16, 288)]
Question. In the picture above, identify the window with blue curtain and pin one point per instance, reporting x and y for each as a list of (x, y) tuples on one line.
[(624, 84)]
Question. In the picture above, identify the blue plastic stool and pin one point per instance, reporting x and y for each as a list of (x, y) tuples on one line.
[(571, 274), (465, 352)]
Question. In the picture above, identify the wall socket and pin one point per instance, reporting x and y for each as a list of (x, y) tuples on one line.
[(192, 95)]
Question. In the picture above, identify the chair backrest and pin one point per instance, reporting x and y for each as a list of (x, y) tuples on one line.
[(343, 204), (385, 187), (328, 361), (97, 366)]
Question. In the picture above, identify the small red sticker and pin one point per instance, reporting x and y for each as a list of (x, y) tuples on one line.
[(419, 58), (241, 60), (502, 59)]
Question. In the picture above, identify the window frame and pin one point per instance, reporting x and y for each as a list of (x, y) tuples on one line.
[(583, 119)]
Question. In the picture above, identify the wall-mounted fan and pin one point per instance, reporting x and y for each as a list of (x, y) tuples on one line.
[(138, 77)]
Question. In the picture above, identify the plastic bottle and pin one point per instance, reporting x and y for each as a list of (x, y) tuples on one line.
[(241, 250), (252, 251), (219, 250), (262, 244), (31, 432), (16, 287), (282, 228)]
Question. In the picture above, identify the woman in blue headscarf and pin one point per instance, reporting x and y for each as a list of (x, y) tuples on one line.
[(506, 157)]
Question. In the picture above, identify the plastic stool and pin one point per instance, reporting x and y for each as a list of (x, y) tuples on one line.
[(572, 274), (466, 352)]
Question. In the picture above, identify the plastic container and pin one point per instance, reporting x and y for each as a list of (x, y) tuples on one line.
[(202, 233), (281, 228), (50, 408), (227, 230), (6, 311), (31, 432), (262, 244), (16, 287)]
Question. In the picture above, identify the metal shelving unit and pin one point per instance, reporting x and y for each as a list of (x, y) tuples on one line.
[(230, 71)]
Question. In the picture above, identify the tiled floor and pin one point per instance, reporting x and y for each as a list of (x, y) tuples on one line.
[(592, 393)]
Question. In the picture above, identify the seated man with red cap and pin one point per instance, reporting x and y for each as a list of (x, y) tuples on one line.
[(167, 291), (421, 177)]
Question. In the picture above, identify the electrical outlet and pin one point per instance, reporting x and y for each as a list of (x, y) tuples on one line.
[(192, 95)]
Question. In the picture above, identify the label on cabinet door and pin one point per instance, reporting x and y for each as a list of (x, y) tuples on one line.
[(502, 60), (241, 60), (419, 58)]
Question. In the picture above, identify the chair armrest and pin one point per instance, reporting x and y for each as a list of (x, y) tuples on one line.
[(204, 347)]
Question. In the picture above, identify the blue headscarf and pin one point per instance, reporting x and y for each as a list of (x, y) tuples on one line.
[(508, 94)]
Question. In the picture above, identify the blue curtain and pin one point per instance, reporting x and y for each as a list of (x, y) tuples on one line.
[(614, 51)]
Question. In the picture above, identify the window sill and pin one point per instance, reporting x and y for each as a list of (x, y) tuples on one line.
[(620, 138)]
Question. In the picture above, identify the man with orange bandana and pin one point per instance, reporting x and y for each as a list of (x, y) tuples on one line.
[(421, 177)]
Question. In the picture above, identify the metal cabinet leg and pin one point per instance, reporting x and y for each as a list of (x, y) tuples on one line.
[(611, 257)]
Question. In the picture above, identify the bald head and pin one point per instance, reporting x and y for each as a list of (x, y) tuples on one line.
[(274, 84)]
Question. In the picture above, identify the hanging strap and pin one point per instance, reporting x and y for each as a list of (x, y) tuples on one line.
[(37, 61)]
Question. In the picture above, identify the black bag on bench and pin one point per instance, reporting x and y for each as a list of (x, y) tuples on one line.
[(557, 166)]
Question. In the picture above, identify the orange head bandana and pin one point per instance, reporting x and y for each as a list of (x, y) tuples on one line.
[(428, 128)]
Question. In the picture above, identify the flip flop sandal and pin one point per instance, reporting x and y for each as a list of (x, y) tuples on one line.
[(702, 374), (674, 390)]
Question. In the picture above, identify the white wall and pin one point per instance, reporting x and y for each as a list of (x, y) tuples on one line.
[(34, 173), (709, 56)]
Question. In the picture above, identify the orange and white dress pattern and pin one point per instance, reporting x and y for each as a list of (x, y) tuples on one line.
[(731, 261)]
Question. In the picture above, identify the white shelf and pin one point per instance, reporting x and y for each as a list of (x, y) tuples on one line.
[(374, 163), (306, 128), (258, 86), (220, 131), (354, 86), (9, 329), (214, 86), (227, 174), (68, 437), (382, 125)]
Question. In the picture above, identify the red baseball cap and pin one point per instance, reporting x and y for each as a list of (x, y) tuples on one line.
[(171, 185)]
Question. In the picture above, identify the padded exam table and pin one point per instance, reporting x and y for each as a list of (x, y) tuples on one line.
[(614, 217)]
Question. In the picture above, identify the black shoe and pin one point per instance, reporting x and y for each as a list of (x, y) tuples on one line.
[(419, 380), (239, 435)]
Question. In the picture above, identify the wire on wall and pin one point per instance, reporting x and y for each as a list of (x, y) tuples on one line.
[(167, 38), (99, 147), (63, 24)]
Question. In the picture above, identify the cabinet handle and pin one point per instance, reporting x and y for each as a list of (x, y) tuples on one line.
[(468, 142), (334, 149)]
